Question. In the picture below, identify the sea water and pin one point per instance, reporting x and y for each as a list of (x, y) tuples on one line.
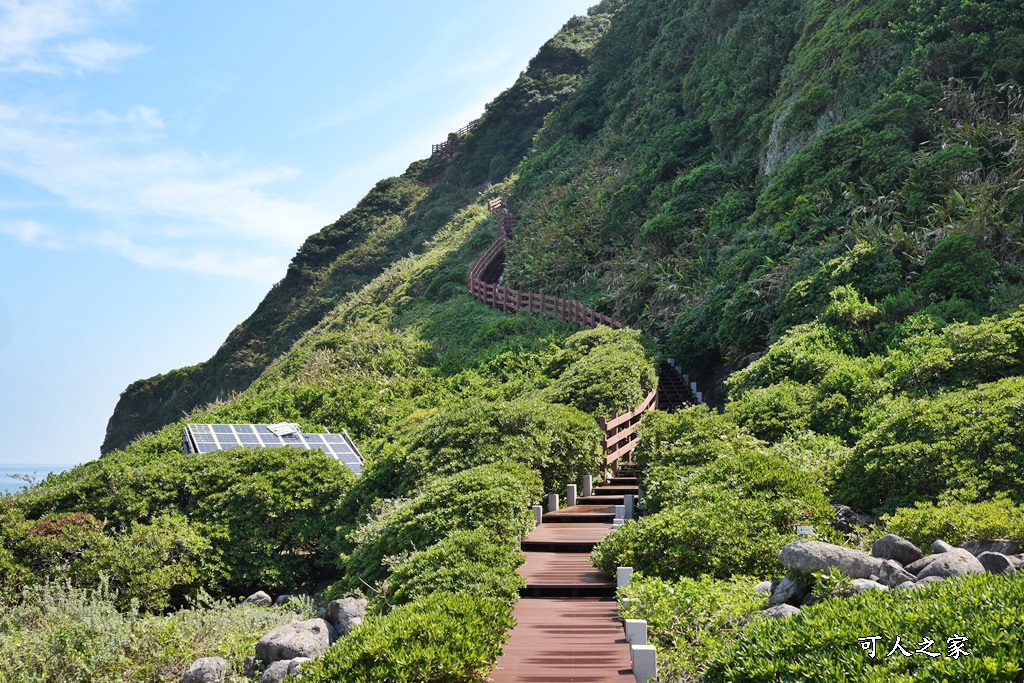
[(8, 484)]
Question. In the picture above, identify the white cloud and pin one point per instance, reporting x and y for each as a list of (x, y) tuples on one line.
[(96, 55), (150, 202), (35, 35), (31, 233)]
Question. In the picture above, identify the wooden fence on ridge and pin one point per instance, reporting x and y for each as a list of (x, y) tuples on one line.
[(449, 146)]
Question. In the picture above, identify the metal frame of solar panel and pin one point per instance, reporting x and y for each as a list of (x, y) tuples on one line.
[(204, 438)]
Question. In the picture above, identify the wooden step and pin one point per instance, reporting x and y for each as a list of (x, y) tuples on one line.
[(568, 537), (603, 514), (563, 639), (615, 490), (569, 575), (600, 500)]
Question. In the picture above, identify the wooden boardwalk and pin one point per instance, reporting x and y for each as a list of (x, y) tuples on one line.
[(567, 623)]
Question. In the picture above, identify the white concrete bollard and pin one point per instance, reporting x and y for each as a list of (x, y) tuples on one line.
[(636, 631), (570, 495), (552, 502), (623, 575), (645, 662), (588, 485), (627, 512), (627, 603), (538, 515)]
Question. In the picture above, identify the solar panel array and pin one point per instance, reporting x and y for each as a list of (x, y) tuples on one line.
[(204, 438)]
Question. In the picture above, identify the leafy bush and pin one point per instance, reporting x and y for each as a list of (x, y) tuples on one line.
[(735, 535), (492, 497), (823, 640), (692, 436), (470, 561), (52, 633), (448, 638), (966, 442), (690, 620), (957, 522)]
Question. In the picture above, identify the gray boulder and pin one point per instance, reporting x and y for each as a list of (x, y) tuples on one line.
[(916, 567), (789, 592), (892, 574), (892, 547), (346, 614), (847, 519), (780, 611), (208, 670), (1000, 545), (814, 556), (296, 663), (997, 563), (906, 586), (260, 599), (297, 639), (864, 585), (764, 587), (954, 563), (283, 599), (941, 546), (276, 672)]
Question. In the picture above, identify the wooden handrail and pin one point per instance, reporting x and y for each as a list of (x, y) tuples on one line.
[(619, 430)]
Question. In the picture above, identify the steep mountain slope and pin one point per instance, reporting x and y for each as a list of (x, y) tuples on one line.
[(392, 220)]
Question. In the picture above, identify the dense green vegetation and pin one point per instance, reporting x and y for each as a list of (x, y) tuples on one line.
[(814, 207)]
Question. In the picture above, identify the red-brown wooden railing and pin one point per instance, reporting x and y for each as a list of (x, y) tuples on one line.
[(449, 146), (620, 437)]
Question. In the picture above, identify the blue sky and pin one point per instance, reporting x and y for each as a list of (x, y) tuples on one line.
[(160, 163)]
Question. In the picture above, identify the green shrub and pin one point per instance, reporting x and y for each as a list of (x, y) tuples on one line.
[(967, 442), (691, 436), (822, 642), (773, 412), (690, 620), (734, 535), (470, 561), (447, 638), (496, 498), (957, 522), (606, 381), (559, 441)]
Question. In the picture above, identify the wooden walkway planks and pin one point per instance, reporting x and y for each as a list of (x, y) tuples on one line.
[(565, 639), (561, 635)]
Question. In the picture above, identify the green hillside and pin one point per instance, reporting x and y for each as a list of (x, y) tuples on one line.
[(813, 206)]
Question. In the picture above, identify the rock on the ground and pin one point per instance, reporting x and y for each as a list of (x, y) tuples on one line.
[(906, 585), (941, 546), (892, 574), (864, 585), (298, 639), (260, 599), (789, 592), (814, 556), (954, 563), (296, 663), (250, 667), (276, 672), (764, 587), (892, 547), (916, 567), (999, 545), (780, 611), (997, 563), (346, 614), (847, 519), (207, 670)]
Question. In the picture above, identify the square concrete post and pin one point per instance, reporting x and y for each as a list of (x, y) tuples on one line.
[(538, 515), (552, 502), (627, 512), (645, 662), (636, 631), (570, 495), (623, 575), (588, 485)]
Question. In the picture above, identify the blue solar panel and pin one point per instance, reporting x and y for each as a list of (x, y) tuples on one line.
[(205, 438)]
